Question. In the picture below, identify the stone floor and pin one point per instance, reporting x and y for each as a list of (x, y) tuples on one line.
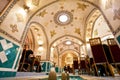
[(41, 76), (87, 77)]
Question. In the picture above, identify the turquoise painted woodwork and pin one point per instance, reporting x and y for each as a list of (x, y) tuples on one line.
[(118, 38), (49, 65), (43, 66), (16, 65), (4, 74), (9, 57), (57, 69), (46, 66)]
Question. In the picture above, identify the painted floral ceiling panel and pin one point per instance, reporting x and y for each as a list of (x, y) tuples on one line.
[(64, 17)]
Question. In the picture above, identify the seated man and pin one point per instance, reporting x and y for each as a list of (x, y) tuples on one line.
[(29, 54), (29, 58)]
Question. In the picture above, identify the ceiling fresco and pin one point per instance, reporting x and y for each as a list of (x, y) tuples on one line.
[(58, 21), (76, 13)]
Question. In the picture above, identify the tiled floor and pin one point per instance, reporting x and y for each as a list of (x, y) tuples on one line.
[(99, 78), (40, 76)]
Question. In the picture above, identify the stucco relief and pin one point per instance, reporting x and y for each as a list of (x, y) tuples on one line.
[(116, 14), (5, 6), (53, 32), (42, 14), (13, 28)]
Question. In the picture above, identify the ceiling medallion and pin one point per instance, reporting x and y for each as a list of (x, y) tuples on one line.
[(63, 18)]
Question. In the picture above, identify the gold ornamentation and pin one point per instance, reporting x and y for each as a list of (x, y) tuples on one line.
[(46, 24), (26, 8), (76, 48), (75, 18), (20, 17), (62, 2), (89, 29), (52, 13), (56, 26), (35, 2), (88, 35), (50, 20), (64, 27), (42, 14), (62, 7), (96, 32), (61, 49), (108, 4), (82, 6), (77, 30), (71, 24), (116, 14), (52, 33), (72, 10), (14, 28)]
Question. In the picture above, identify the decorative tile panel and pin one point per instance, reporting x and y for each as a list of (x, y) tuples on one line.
[(8, 50), (9, 56)]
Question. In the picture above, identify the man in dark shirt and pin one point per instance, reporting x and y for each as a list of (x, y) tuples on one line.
[(29, 60), (29, 54)]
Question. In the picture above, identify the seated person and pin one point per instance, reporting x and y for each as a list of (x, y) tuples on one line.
[(29, 58), (37, 64), (65, 68), (29, 54)]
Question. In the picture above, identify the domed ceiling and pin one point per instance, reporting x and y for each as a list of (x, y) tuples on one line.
[(53, 23), (63, 18)]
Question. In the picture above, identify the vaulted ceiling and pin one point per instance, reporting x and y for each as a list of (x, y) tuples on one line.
[(54, 22), (66, 20), (77, 13)]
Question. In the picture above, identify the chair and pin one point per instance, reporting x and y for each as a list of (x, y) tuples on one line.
[(115, 53), (37, 63), (82, 66), (99, 58)]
